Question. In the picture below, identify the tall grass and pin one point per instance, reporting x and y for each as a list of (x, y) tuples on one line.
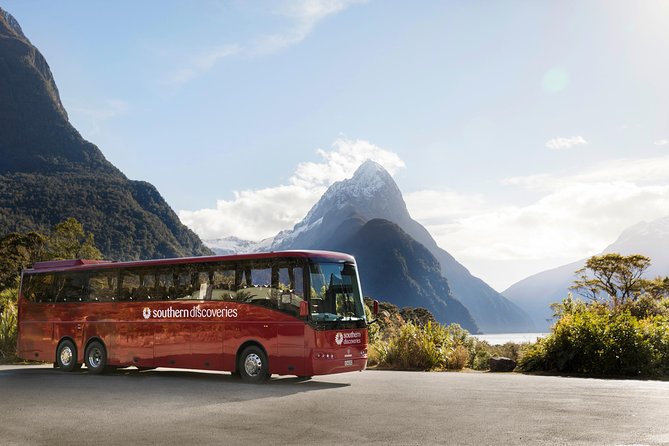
[(8, 323), (429, 347)]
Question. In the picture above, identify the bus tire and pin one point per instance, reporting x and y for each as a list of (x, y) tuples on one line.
[(66, 356), (96, 357), (253, 365)]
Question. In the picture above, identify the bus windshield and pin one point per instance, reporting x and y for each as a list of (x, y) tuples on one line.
[(335, 293)]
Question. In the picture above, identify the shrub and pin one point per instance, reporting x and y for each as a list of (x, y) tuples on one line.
[(430, 347), (8, 323), (457, 358), (415, 349), (416, 342), (602, 342), (480, 358), (378, 352)]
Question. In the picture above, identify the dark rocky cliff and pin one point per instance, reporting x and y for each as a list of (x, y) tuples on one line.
[(48, 172)]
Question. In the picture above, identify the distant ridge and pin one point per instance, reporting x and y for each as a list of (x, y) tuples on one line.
[(537, 292), (48, 172)]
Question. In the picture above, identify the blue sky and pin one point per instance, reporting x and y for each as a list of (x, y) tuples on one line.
[(523, 134)]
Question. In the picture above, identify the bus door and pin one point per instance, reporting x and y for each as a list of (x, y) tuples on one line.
[(289, 280)]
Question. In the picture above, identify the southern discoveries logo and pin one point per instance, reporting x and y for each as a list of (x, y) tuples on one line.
[(195, 312), (352, 337)]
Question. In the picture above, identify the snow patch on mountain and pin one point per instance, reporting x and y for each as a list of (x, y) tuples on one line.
[(234, 245)]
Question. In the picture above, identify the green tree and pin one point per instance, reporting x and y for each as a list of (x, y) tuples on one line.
[(69, 241), (621, 329), (612, 277), (18, 251)]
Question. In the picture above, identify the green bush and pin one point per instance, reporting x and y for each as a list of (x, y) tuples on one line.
[(428, 347), (597, 340), (480, 358), (8, 323), (415, 349), (457, 357)]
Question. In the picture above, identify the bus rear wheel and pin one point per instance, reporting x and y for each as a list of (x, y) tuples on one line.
[(66, 356), (95, 357), (253, 365)]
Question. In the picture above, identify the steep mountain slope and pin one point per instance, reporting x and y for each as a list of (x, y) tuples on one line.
[(395, 267), (48, 172), (372, 193), (537, 292)]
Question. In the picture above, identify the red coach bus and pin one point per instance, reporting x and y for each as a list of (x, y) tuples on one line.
[(286, 313)]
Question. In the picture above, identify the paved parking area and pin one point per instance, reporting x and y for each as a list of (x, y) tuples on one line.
[(40, 405)]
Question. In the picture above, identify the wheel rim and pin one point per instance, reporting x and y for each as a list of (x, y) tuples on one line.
[(253, 365), (95, 357), (66, 355)]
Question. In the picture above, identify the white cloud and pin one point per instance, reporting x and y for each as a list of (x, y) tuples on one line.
[(642, 171), (662, 142), (569, 222), (201, 63), (306, 14), (303, 16), (261, 213), (565, 143), (576, 215)]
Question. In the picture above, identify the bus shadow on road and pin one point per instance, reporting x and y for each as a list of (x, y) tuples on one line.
[(196, 386)]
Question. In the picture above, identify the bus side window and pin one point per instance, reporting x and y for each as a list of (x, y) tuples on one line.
[(223, 284), (102, 286), (201, 286), (254, 284), (184, 284), (73, 287), (39, 287), (290, 289), (164, 284), (129, 285)]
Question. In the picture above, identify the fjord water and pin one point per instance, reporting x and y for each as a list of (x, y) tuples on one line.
[(503, 338)]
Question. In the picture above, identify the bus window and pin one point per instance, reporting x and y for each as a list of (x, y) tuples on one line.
[(102, 286), (71, 287), (129, 285), (335, 294), (39, 287), (201, 285), (254, 285), (163, 283), (223, 284), (290, 289)]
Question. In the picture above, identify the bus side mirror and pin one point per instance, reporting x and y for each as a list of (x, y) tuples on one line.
[(375, 311), (304, 309)]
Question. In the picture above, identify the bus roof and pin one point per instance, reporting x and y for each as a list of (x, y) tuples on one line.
[(85, 264)]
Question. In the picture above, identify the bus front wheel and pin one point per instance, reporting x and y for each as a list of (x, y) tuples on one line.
[(66, 356), (95, 357), (253, 365)]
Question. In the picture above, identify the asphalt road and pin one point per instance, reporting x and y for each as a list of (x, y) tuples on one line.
[(40, 405)]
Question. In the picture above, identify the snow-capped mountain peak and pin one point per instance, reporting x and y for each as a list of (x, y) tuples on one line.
[(371, 190)]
